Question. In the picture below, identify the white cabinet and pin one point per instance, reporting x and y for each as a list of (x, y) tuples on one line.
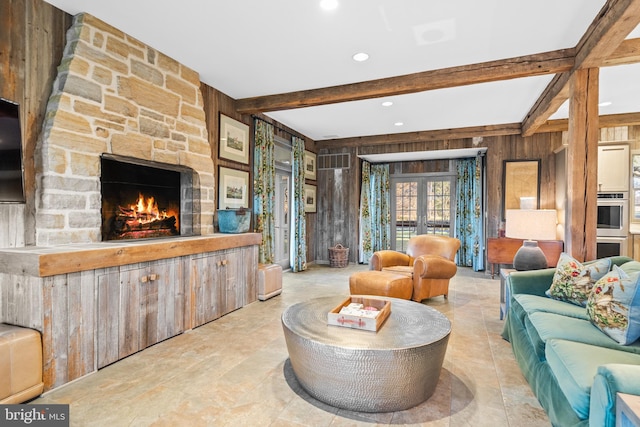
[(613, 168)]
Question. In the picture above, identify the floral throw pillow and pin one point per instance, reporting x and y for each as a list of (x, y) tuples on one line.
[(572, 281), (614, 306)]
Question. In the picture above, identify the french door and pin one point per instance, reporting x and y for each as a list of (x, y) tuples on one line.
[(422, 204), (282, 218), (282, 208)]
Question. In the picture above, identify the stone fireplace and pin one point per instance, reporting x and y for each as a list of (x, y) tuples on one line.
[(117, 98), (124, 142)]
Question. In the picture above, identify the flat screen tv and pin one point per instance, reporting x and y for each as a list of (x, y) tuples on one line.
[(11, 185)]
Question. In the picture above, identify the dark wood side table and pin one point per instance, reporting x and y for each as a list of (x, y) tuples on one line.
[(501, 250), (505, 293)]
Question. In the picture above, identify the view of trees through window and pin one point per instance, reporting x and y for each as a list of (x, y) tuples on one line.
[(421, 207)]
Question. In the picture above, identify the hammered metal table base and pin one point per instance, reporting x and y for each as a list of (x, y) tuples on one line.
[(390, 370)]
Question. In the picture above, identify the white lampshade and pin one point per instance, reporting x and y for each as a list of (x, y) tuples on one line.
[(531, 224)]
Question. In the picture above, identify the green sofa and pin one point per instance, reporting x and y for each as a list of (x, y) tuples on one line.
[(574, 369)]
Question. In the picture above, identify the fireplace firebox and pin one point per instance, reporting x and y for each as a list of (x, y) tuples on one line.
[(140, 200)]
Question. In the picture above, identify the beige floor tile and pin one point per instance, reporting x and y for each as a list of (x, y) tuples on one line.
[(235, 371)]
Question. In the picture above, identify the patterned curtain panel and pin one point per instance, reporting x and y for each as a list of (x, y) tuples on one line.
[(375, 213), (366, 242), (469, 213), (298, 224), (264, 192), (380, 207)]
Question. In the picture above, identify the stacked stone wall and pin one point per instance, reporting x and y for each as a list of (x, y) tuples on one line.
[(114, 94)]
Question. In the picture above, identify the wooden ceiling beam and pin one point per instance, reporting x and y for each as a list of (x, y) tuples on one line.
[(627, 53), (560, 125), (431, 135), (524, 66), (553, 96), (616, 20), (608, 121), (606, 33)]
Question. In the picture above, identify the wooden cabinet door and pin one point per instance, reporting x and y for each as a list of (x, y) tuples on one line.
[(249, 274), (138, 305), (204, 294), (108, 315), (130, 309), (230, 284), (613, 168), (217, 285), (162, 301)]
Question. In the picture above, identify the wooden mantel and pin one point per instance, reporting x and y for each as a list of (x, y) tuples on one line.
[(50, 261), (97, 303)]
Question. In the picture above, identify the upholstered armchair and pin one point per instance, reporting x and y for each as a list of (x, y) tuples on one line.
[(429, 260)]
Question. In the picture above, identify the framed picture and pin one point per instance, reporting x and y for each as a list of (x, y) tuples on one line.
[(521, 183), (309, 165), (233, 188), (310, 198), (234, 140)]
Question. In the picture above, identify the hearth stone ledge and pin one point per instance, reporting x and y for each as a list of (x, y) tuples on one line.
[(41, 261)]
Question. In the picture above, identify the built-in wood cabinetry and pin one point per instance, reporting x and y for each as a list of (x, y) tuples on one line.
[(96, 304), (219, 283), (139, 305)]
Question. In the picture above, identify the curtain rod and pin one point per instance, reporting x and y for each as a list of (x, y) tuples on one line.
[(276, 126)]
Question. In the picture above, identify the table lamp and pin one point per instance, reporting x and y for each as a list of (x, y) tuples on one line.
[(531, 225)]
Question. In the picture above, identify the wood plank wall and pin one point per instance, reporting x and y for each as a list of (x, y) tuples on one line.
[(12, 225), (216, 103), (339, 189), (32, 38)]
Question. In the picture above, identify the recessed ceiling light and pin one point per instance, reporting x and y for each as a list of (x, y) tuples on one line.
[(329, 4), (605, 104), (399, 124), (387, 104), (360, 56)]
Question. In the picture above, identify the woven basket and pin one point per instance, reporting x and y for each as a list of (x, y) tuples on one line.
[(338, 256)]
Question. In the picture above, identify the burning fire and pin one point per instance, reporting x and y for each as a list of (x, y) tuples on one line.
[(145, 210), (143, 219)]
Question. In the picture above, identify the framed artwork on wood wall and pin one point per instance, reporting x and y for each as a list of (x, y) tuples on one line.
[(309, 165), (520, 179), (310, 193), (233, 188), (233, 142)]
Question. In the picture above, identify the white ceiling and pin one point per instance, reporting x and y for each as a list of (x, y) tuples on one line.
[(248, 48)]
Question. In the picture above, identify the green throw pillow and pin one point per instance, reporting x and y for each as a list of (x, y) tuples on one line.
[(614, 305), (572, 281)]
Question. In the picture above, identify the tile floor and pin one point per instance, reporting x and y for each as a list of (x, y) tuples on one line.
[(235, 371)]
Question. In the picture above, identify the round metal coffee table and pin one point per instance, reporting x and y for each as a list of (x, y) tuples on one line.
[(393, 369)]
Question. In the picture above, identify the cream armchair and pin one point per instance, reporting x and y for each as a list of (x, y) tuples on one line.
[(429, 260)]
